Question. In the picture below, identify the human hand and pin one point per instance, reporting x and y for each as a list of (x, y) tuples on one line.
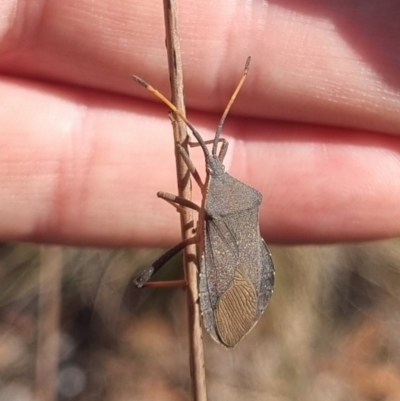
[(85, 149)]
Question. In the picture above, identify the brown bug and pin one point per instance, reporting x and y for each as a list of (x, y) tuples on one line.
[(236, 270)]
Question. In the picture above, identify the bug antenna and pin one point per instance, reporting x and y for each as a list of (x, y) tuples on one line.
[(173, 108), (228, 107)]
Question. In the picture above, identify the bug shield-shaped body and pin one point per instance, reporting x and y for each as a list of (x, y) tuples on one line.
[(237, 272)]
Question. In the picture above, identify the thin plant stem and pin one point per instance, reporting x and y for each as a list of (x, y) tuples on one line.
[(185, 191), (48, 343)]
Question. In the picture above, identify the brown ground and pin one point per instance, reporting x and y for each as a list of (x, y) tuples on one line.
[(331, 331)]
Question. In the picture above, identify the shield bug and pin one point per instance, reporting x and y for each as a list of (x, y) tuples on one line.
[(236, 268)]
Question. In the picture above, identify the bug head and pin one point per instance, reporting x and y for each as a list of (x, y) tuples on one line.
[(214, 166)]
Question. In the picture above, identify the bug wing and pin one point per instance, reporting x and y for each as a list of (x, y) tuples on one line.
[(218, 264), (237, 276), (221, 255), (267, 279), (236, 273)]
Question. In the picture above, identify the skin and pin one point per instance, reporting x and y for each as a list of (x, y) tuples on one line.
[(315, 128)]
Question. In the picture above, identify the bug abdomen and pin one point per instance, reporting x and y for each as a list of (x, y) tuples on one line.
[(236, 310)]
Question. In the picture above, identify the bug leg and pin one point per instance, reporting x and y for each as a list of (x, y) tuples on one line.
[(177, 201), (209, 142), (190, 165), (185, 156), (165, 284), (144, 277), (222, 151)]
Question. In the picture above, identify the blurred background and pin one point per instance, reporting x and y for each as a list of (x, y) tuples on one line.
[(72, 322)]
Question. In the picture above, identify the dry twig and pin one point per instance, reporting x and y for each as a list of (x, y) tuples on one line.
[(185, 191), (48, 324)]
